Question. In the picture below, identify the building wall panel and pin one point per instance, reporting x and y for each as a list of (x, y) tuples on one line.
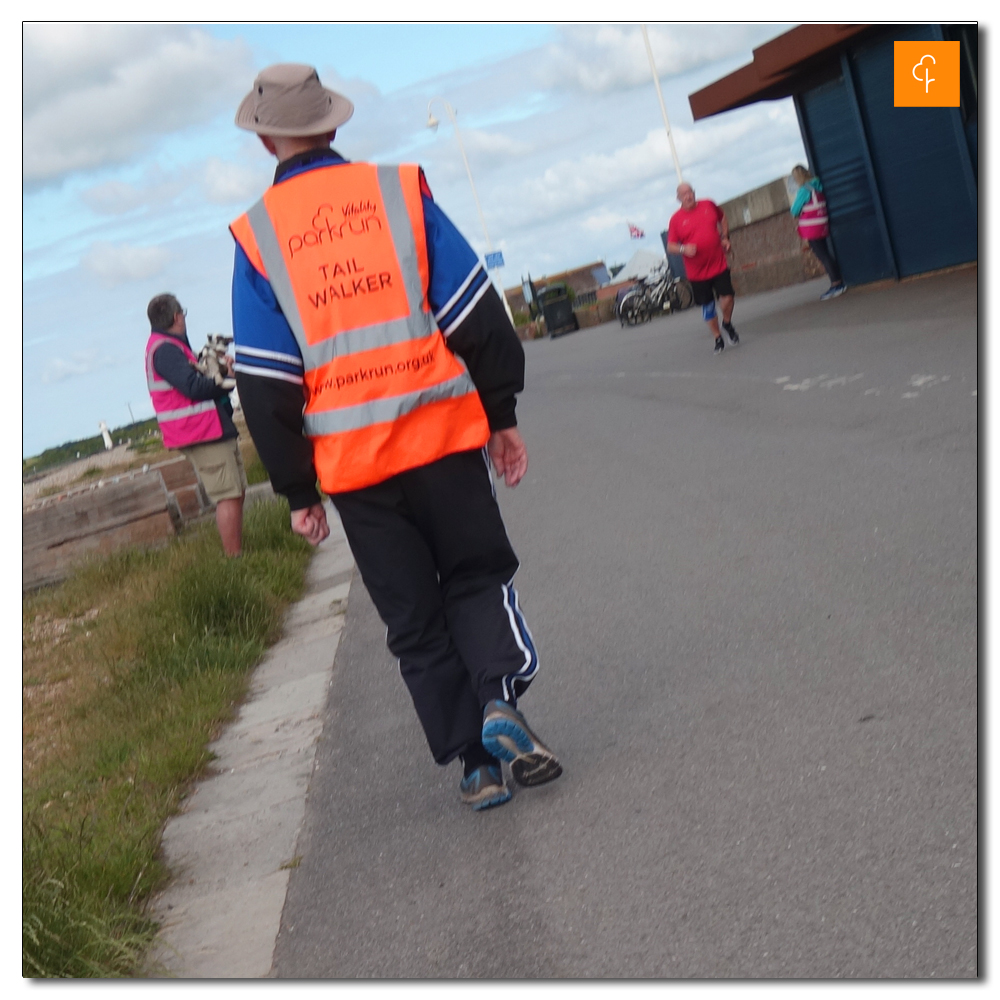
[(917, 161), (835, 142)]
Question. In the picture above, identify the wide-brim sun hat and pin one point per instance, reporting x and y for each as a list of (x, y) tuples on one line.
[(288, 99)]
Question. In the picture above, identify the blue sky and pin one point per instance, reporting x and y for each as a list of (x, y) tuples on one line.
[(132, 167)]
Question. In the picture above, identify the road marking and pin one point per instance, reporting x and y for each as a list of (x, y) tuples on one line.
[(841, 380), (805, 384)]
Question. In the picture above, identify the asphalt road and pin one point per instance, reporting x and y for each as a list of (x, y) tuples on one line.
[(752, 580)]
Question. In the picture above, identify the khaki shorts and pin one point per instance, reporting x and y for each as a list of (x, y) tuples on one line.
[(219, 465)]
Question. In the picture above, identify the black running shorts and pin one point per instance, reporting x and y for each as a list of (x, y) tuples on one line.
[(705, 291)]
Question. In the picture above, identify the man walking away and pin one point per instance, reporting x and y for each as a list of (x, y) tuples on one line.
[(195, 416), (699, 231), (374, 354)]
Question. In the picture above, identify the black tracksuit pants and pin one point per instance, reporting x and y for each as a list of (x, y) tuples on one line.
[(434, 554)]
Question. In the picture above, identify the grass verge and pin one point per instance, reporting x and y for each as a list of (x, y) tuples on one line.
[(129, 669)]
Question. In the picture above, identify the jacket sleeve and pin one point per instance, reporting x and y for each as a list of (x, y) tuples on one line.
[(273, 412), (171, 365), (801, 197), (269, 380), (488, 345), (470, 314)]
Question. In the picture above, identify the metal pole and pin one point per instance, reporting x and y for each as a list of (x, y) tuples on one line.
[(663, 107), (479, 208)]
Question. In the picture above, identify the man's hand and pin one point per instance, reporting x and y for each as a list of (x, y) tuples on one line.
[(726, 245), (509, 454), (688, 249), (310, 523)]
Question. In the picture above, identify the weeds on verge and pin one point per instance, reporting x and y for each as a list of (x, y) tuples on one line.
[(130, 667)]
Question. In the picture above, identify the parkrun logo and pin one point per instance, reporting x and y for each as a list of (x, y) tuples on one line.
[(354, 219), (925, 74)]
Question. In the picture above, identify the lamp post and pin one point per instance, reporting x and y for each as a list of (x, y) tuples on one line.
[(663, 107), (432, 123)]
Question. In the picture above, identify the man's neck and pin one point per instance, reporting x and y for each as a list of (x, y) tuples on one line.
[(287, 146), (301, 159)]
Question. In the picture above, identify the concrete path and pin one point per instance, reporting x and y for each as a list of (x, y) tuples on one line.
[(233, 847)]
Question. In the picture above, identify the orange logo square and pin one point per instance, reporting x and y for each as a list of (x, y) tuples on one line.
[(925, 74)]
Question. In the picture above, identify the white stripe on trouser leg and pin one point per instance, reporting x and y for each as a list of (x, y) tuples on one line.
[(489, 472), (522, 636)]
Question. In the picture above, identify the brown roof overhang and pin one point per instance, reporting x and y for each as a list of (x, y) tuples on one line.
[(778, 67)]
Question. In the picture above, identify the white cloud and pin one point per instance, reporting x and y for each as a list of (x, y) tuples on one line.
[(227, 183), (121, 197), (222, 182), (571, 184), (113, 198), (96, 94), (81, 363), (600, 58), (604, 220), (115, 263), (585, 183), (494, 144)]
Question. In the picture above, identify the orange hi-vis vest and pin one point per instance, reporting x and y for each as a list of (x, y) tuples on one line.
[(345, 252)]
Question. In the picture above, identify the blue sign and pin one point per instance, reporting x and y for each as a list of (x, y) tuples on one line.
[(494, 259)]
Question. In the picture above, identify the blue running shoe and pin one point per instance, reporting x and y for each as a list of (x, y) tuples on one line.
[(485, 787), (508, 737)]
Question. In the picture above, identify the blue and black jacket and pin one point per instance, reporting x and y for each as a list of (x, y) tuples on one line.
[(467, 310)]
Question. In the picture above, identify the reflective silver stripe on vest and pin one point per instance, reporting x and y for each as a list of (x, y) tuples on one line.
[(416, 326), (391, 183), (382, 411), (186, 411), (153, 383), (277, 272)]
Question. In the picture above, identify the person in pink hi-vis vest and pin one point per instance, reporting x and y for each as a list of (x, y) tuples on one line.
[(809, 210), (196, 416)]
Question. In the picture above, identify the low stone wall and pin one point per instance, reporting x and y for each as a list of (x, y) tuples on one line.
[(146, 506), (767, 251), (602, 311), (55, 535)]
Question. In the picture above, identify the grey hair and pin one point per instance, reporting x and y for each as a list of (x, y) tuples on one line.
[(162, 309)]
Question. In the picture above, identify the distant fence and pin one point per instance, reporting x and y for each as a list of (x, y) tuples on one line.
[(144, 507)]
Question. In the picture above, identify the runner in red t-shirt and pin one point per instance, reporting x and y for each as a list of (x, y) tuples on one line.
[(698, 230)]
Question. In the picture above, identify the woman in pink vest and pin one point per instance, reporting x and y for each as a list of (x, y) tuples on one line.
[(809, 209)]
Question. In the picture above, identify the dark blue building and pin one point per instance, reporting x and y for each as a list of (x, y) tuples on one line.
[(901, 183)]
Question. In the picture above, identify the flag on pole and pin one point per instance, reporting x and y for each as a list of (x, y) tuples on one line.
[(635, 232)]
